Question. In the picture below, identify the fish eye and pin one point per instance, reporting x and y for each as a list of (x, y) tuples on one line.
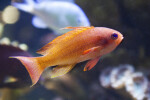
[(114, 36)]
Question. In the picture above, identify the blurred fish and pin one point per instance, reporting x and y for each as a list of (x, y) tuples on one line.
[(12, 72), (55, 0), (54, 14), (78, 45)]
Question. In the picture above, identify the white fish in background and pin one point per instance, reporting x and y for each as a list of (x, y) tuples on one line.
[(55, 0), (54, 14)]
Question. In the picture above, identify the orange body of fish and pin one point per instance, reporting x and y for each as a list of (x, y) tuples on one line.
[(78, 45)]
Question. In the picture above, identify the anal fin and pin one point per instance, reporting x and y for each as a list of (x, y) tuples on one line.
[(91, 64), (61, 70)]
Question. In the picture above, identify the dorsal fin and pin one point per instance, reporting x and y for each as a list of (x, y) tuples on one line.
[(80, 27), (76, 30)]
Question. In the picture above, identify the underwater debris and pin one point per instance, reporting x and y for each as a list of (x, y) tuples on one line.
[(54, 14), (120, 74), (135, 83), (12, 72)]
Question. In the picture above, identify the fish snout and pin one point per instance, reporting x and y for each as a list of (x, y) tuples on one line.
[(120, 38)]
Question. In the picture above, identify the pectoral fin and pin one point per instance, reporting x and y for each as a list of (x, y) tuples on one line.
[(91, 64), (61, 70), (91, 50)]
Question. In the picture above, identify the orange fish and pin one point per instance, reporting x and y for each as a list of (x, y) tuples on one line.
[(78, 45)]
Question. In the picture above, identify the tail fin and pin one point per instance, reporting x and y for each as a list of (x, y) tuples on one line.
[(33, 67), (27, 7)]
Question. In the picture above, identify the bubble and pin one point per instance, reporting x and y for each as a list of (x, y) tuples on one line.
[(15, 43), (5, 41), (23, 47), (10, 15)]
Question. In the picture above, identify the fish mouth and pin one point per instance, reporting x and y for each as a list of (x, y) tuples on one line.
[(122, 38), (119, 40)]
